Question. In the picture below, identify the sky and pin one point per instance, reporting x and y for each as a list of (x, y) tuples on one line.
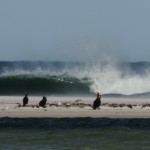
[(74, 30)]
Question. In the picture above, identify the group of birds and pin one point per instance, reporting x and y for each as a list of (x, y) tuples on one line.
[(42, 103)]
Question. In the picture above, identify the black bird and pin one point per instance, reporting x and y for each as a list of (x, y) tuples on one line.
[(97, 102), (42, 103), (25, 99)]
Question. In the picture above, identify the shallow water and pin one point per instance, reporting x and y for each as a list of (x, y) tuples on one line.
[(109, 138), (74, 134)]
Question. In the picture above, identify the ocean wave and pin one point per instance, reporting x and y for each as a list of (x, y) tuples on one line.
[(106, 78)]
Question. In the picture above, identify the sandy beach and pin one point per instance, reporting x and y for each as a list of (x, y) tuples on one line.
[(62, 107)]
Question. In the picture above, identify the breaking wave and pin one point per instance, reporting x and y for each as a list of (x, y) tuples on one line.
[(73, 78)]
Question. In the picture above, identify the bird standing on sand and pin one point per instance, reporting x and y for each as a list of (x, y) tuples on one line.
[(25, 99), (42, 103), (97, 102)]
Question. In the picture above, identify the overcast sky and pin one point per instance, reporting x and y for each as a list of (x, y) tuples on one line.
[(74, 30)]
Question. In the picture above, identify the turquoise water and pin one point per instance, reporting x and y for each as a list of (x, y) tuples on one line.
[(47, 138)]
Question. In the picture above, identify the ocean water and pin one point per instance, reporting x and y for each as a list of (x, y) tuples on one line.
[(56, 134), (73, 139), (62, 78), (68, 78)]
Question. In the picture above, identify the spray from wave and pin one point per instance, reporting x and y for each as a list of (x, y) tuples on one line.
[(106, 78)]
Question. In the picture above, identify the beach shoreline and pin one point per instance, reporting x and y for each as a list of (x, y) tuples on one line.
[(71, 107)]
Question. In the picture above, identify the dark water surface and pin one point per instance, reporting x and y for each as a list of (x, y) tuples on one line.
[(73, 134)]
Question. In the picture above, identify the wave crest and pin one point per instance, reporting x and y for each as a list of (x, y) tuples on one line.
[(106, 78)]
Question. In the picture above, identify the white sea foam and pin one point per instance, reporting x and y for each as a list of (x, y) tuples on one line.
[(109, 79)]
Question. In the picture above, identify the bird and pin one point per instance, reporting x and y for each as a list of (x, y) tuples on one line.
[(42, 103), (25, 99), (97, 102)]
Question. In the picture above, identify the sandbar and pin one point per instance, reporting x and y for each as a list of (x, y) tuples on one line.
[(11, 106)]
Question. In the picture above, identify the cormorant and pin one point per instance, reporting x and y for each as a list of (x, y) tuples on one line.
[(42, 103), (97, 102), (25, 99)]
